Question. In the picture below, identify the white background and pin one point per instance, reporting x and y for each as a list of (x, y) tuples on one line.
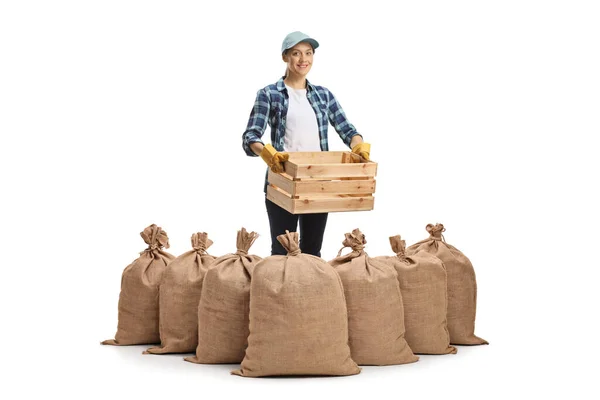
[(482, 115)]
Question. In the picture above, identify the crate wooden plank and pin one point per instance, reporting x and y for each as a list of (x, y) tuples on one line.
[(290, 168), (329, 195), (363, 186), (319, 205), (334, 170), (329, 178), (318, 157), (325, 157), (356, 185), (282, 181), (280, 198)]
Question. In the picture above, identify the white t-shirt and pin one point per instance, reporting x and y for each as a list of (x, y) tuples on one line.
[(301, 128)]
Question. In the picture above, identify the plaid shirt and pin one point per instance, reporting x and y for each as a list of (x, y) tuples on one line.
[(271, 107)]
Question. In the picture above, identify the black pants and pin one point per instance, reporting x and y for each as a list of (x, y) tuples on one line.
[(312, 229)]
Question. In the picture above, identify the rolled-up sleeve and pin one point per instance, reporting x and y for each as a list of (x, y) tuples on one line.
[(338, 120), (257, 122)]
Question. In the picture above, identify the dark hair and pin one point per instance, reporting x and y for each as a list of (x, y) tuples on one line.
[(286, 50)]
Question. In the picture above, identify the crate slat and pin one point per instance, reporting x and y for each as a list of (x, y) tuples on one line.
[(335, 186), (282, 181), (319, 205), (366, 186), (334, 170), (280, 198), (310, 196), (318, 157)]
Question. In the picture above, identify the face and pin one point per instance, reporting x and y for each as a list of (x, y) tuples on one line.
[(299, 59)]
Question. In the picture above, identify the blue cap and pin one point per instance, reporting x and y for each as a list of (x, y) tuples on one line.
[(296, 37)]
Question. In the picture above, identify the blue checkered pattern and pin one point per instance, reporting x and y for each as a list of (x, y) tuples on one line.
[(271, 108)]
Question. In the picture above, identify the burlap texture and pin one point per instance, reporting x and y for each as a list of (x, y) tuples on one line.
[(375, 310), (223, 313), (180, 291), (462, 285), (298, 318), (422, 279), (138, 300)]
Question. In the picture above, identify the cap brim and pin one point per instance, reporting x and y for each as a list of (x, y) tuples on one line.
[(311, 41)]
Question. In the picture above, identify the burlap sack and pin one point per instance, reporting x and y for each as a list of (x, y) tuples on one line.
[(223, 313), (138, 301), (422, 279), (180, 291), (298, 318), (374, 302), (462, 286)]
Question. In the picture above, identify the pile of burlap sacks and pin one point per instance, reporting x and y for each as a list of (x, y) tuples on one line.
[(298, 314)]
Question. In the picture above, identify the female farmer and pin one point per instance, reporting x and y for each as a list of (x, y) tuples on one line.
[(298, 113)]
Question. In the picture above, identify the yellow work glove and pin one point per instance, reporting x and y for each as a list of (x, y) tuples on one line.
[(362, 149), (273, 158)]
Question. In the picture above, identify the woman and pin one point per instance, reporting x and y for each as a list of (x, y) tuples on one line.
[(298, 113)]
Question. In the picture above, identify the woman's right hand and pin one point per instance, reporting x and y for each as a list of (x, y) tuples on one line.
[(273, 158)]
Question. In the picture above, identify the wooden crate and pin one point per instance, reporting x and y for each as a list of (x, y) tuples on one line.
[(324, 181)]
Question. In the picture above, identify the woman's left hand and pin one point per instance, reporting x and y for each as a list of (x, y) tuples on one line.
[(362, 149)]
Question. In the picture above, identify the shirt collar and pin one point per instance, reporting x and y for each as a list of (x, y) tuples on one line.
[(281, 86)]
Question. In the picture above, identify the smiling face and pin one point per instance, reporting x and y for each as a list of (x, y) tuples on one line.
[(299, 59)]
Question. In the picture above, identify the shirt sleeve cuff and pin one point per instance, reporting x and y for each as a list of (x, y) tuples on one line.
[(247, 148)]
